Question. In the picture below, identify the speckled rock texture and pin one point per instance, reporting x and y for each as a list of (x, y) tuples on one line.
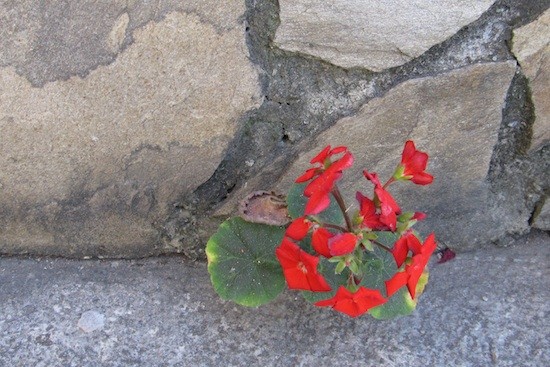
[(95, 161), (133, 128), (531, 45), (484, 308), (369, 33)]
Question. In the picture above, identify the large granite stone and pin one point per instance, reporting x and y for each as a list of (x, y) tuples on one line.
[(455, 117), (90, 166), (531, 45), (370, 33), (542, 218)]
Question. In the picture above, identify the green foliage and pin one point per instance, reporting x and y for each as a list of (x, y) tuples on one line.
[(379, 267), (242, 262)]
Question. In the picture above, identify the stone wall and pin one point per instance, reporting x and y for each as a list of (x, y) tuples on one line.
[(131, 129)]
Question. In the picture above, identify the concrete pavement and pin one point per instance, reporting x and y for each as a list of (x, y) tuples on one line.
[(490, 307)]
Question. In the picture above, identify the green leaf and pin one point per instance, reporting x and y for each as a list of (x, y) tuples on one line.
[(242, 262), (400, 304), (380, 266), (297, 202)]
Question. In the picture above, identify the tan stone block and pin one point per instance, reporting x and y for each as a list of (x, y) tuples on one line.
[(370, 33), (124, 142)]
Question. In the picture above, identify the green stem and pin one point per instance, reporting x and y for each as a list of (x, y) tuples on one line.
[(382, 246), (342, 205), (334, 226), (391, 180)]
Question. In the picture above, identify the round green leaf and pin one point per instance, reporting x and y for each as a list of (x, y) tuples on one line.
[(297, 202), (242, 262)]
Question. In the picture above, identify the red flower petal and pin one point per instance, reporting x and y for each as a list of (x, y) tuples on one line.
[(298, 229), (388, 207), (396, 282), (341, 164), (415, 271), (429, 246), (342, 244), (372, 177), (320, 158), (323, 183), (338, 150), (400, 251), (354, 304), (413, 243), (308, 175), (419, 216), (300, 268), (317, 203), (319, 241), (408, 151), (422, 178)]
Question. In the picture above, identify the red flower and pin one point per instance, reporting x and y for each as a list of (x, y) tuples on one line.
[(413, 271), (319, 241), (367, 210), (402, 246), (342, 244), (329, 244), (354, 304), (414, 163), (300, 268), (324, 177), (389, 210), (298, 229)]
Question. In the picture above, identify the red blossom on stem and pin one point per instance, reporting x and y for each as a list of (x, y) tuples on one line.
[(333, 240), (354, 304), (402, 246), (413, 271), (413, 164), (323, 177), (342, 244), (367, 210), (389, 209), (300, 268)]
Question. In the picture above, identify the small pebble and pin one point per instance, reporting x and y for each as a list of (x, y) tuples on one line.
[(91, 321)]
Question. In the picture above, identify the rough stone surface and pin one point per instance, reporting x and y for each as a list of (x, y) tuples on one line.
[(484, 308), (542, 219), (57, 41), (455, 117), (90, 165), (372, 34), (91, 321), (531, 45)]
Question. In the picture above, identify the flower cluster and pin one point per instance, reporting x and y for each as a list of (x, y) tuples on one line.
[(346, 243)]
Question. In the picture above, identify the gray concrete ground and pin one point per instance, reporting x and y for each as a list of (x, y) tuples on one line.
[(485, 308)]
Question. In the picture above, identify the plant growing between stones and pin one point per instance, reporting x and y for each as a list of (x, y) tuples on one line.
[(371, 261)]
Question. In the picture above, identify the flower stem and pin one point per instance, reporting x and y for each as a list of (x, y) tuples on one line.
[(390, 181), (342, 205), (382, 246), (334, 226)]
